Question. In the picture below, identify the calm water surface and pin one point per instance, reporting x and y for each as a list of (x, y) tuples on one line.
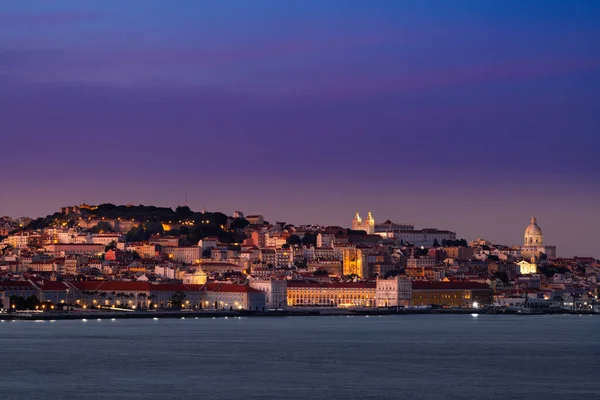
[(392, 357)]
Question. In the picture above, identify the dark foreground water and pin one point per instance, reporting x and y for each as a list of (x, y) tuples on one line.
[(392, 357)]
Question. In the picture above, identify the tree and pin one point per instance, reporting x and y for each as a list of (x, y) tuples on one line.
[(321, 272), (390, 274), (435, 243), (183, 212), (239, 223), (294, 240), (22, 303), (154, 227), (309, 239), (111, 246), (176, 299), (502, 276), (101, 227), (455, 243)]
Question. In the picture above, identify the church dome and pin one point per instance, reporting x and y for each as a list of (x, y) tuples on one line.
[(533, 234), (533, 229)]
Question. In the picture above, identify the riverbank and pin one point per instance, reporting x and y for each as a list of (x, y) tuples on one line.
[(105, 314)]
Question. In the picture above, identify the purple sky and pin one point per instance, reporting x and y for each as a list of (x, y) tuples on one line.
[(463, 115)]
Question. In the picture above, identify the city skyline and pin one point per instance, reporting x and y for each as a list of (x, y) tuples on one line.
[(462, 116), (381, 220)]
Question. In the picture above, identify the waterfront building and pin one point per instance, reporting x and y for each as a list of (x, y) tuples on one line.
[(335, 294), (451, 294), (394, 292), (24, 289), (213, 295), (218, 295), (275, 292)]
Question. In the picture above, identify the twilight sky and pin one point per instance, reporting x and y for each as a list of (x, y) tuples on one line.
[(463, 115)]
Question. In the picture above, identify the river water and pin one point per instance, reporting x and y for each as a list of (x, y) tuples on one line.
[(388, 357)]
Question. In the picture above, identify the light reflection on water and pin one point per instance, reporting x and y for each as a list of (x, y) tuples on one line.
[(417, 356)]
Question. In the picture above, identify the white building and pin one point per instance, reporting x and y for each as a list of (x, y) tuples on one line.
[(105, 238), (58, 235), (229, 296), (533, 243), (424, 237), (393, 292), (527, 268), (186, 255), (18, 241), (275, 292), (208, 243), (165, 271), (325, 240)]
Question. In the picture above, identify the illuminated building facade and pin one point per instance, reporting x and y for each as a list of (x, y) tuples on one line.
[(186, 255), (367, 225), (533, 242), (275, 292), (451, 294), (354, 262), (394, 292), (337, 294), (527, 268)]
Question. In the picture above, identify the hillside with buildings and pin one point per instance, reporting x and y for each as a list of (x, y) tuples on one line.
[(143, 257)]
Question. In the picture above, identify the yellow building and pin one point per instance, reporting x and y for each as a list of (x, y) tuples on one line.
[(199, 277), (354, 262), (338, 294), (451, 294)]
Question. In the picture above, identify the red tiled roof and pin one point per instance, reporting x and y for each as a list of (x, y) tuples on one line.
[(113, 286), (424, 285), (125, 286), (228, 288), (53, 286), (8, 285), (332, 285)]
